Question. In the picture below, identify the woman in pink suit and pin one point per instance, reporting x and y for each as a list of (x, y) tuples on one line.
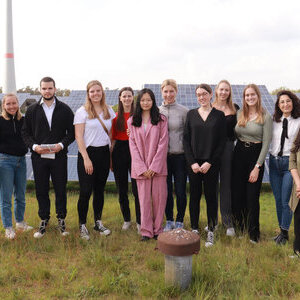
[(148, 142)]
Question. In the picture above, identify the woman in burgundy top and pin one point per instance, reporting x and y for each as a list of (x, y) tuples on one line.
[(121, 159)]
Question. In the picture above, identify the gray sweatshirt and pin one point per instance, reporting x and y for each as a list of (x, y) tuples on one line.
[(176, 115)]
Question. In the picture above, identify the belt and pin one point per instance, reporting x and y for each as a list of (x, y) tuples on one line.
[(248, 144)]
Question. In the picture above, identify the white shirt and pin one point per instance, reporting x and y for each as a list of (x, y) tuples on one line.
[(48, 110), (293, 129), (94, 134)]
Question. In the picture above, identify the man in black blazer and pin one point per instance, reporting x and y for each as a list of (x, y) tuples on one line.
[(48, 131)]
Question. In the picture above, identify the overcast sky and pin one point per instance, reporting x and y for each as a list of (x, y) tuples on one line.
[(134, 42)]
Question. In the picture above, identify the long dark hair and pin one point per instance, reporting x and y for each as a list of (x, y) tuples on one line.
[(120, 121), (154, 112), (296, 106)]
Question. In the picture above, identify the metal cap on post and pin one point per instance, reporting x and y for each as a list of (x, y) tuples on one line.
[(9, 83), (178, 245)]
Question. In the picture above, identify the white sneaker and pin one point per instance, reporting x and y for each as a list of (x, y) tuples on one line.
[(210, 239), (207, 230), (178, 225), (84, 233), (102, 230), (138, 227), (230, 231), (23, 226), (170, 225), (126, 225), (10, 233), (196, 231), (253, 242)]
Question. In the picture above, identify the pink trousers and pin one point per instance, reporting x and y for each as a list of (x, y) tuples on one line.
[(153, 199)]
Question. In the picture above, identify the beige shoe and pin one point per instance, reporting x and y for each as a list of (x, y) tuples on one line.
[(23, 226), (126, 225), (10, 233)]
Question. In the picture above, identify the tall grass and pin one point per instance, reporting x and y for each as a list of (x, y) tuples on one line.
[(121, 267)]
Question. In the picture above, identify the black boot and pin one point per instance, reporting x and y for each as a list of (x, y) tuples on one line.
[(283, 237)]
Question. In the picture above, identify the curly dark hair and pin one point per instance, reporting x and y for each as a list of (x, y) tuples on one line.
[(296, 105), (154, 112)]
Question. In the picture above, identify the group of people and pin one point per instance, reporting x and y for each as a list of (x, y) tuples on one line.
[(217, 142)]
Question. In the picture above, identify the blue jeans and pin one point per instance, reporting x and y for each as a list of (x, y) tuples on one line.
[(177, 169), (281, 182), (12, 180)]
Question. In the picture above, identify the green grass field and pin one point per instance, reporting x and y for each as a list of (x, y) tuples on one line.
[(121, 267)]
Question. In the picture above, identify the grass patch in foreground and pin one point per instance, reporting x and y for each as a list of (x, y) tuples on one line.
[(121, 267)]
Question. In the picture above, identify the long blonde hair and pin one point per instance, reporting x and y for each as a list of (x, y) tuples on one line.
[(89, 107), (4, 112), (244, 116), (228, 100)]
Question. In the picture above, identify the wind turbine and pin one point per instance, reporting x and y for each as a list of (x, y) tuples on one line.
[(9, 84)]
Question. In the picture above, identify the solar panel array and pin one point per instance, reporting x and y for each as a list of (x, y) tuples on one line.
[(186, 96)]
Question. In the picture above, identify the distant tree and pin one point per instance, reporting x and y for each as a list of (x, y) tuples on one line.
[(35, 91), (28, 90), (63, 93), (284, 88), (26, 104)]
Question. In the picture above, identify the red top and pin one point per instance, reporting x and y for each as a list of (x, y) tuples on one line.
[(120, 135)]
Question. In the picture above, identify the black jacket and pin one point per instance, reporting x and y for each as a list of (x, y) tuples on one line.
[(36, 128), (11, 141)]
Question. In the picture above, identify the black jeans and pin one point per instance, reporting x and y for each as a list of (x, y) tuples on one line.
[(210, 182), (245, 195), (42, 169), (121, 161), (297, 228), (95, 182), (177, 168)]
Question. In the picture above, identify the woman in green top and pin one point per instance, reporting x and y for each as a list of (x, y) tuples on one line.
[(254, 133), (294, 167)]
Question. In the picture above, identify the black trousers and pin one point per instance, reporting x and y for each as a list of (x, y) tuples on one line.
[(177, 169), (297, 228), (225, 184), (43, 168), (121, 161), (210, 182), (95, 182), (245, 195)]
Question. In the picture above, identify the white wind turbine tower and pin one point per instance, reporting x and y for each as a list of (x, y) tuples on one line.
[(9, 84)]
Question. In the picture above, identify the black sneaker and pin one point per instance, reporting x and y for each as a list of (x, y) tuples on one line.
[(102, 230), (62, 227), (42, 229), (145, 238)]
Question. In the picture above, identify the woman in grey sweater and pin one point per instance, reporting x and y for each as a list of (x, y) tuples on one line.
[(176, 115)]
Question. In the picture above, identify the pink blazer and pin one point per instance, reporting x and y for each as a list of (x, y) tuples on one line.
[(148, 148)]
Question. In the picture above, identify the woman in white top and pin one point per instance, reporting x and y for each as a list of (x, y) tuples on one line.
[(286, 124), (92, 131)]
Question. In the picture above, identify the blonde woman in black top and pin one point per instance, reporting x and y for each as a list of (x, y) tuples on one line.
[(204, 140), (12, 166), (223, 102)]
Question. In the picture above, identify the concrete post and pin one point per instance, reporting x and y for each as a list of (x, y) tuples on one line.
[(178, 245)]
